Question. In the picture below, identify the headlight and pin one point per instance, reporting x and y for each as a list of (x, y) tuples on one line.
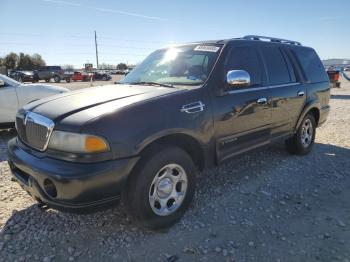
[(77, 143)]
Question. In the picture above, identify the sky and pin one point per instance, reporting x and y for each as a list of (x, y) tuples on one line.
[(62, 31)]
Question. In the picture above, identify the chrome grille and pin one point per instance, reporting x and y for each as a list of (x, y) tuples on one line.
[(34, 130)]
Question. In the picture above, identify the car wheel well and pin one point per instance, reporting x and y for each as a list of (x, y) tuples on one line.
[(316, 113), (185, 142)]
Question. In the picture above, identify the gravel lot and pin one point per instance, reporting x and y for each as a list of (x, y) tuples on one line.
[(265, 205)]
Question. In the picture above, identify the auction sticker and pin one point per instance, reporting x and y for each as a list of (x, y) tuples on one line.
[(208, 48)]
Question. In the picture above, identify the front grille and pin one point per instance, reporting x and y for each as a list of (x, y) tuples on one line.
[(34, 130), (20, 127)]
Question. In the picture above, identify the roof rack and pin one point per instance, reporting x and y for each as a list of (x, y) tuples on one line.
[(272, 39)]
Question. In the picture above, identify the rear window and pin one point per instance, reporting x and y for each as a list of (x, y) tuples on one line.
[(276, 65), (311, 64)]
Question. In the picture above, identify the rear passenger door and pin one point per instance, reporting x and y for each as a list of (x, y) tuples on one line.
[(288, 93)]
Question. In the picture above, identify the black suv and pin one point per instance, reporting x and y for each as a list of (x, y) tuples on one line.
[(182, 109), (55, 72)]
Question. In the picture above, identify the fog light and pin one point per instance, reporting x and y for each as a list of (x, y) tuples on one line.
[(50, 188)]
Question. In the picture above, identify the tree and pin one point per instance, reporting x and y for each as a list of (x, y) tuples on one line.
[(122, 66), (25, 62), (68, 67), (37, 61), (11, 61)]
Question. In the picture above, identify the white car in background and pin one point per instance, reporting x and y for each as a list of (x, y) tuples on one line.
[(14, 95)]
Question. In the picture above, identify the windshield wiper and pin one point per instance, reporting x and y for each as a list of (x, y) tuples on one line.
[(151, 84)]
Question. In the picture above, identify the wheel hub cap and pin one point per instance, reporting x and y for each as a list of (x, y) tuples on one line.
[(168, 189), (307, 133), (164, 187)]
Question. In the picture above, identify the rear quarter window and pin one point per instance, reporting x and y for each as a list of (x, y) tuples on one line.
[(311, 64)]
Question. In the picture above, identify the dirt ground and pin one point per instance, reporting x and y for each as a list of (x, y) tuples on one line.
[(265, 205)]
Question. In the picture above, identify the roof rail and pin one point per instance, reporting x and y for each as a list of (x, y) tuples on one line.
[(272, 39)]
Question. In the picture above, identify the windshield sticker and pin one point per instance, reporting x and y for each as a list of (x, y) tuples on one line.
[(208, 48)]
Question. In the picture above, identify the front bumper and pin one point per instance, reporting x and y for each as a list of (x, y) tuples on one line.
[(77, 185)]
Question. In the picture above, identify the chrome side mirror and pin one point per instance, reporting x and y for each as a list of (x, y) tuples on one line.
[(2, 83), (238, 78)]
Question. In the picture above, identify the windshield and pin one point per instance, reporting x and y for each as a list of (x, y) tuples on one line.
[(185, 65), (9, 81)]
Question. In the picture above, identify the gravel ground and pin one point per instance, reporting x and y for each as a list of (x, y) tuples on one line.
[(265, 205)]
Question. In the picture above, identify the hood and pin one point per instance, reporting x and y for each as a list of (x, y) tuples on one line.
[(57, 89), (85, 104)]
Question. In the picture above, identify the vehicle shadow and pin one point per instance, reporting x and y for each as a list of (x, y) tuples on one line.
[(112, 228), (340, 97)]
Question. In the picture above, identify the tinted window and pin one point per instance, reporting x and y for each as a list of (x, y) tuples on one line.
[(246, 58), (275, 65), (311, 64)]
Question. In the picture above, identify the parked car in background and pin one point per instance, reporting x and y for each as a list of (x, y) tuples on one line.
[(24, 76), (14, 95), (102, 76), (183, 109), (82, 76), (56, 72)]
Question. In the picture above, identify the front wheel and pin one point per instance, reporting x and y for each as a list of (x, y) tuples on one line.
[(57, 79), (160, 188), (303, 140)]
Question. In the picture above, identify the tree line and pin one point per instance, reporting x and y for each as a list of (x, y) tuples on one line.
[(22, 61)]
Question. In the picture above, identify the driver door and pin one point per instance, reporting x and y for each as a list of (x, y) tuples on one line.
[(8, 103), (242, 116)]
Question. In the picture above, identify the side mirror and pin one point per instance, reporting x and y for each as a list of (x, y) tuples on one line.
[(2, 83), (238, 78)]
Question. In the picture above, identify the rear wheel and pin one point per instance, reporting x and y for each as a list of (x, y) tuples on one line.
[(47, 80), (303, 140), (160, 188), (104, 78), (68, 80)]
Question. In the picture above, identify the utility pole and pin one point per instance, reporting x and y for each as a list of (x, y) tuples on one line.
[(96, 50)]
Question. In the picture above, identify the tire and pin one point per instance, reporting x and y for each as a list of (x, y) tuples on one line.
[(301, 143), (104, 78), (57, 79), (68, 80), (140, 196), (20, 79), (47, 80)]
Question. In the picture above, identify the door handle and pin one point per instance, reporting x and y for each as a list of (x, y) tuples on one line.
[(262, 101), (301, 93)]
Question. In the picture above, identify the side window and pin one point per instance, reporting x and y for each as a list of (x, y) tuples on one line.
[(276, 65), (311, 64), (246, 58)]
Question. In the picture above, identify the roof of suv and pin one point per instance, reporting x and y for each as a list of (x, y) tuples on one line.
[(254, 38)]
